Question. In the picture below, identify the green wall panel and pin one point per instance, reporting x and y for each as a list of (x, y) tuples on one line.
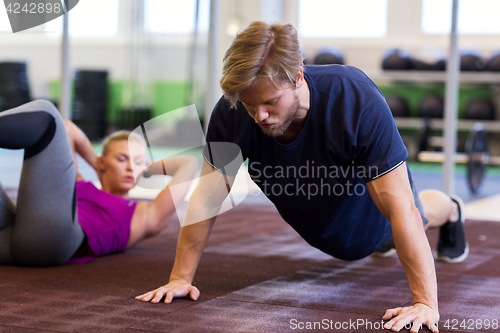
[(166, 96)]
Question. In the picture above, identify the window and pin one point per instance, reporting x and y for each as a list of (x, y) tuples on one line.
[(342, 19), (474, 16), (175, 16), (89, 18)]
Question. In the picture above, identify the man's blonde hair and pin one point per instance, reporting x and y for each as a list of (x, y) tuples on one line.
[(119, 136), (261, 50)]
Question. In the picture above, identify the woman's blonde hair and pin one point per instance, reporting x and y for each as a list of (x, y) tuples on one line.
[(119, 136), (261, 50)]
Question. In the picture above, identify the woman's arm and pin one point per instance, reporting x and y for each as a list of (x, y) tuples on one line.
[(80, 144), (182, 169), (169, 166), (158, 213)]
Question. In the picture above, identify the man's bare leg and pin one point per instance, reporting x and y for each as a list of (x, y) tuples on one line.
[(438, 208)]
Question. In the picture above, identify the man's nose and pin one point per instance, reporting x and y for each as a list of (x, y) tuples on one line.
[(261, 113)]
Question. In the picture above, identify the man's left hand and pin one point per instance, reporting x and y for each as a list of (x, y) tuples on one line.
[(419, 314)]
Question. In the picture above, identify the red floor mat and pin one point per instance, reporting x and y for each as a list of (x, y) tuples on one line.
[(256, 275)]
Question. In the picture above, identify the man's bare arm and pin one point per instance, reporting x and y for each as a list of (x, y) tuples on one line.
[(200, 217), (393, 196)]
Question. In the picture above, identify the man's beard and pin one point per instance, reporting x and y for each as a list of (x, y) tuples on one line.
[(279, 130)]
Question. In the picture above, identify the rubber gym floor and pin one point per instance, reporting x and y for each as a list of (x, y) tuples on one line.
[(256, 275)]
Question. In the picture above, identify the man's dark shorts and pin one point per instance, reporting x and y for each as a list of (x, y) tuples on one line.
[(418, 203)]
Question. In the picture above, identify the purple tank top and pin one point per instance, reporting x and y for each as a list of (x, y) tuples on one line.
[(105, 218)]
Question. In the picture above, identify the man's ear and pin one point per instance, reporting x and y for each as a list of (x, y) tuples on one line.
[(300, 78)]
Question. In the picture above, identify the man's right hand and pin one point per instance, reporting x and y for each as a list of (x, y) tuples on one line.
[(175, 288)]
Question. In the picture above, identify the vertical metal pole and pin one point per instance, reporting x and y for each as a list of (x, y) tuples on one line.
[(192, 56), (65, 88), (213, 47), (452, 83)]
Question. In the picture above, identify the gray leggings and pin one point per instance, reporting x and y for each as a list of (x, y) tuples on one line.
[(42, 230)]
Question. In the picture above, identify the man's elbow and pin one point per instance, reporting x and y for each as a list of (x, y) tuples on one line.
[(401, 209)]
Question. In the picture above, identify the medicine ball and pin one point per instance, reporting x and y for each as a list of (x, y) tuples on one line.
[(432, 107), (329, 56), (399, 106), (429, 59), (471, 61), (397, 59), (307, 61), (480, 109), (494, 63)]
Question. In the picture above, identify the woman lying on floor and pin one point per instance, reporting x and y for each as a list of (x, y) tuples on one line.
[(60, 218)]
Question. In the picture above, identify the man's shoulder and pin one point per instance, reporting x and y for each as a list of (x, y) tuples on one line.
[(335, 81), (229, 124)]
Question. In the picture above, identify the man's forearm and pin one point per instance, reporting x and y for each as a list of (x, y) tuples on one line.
[(416, 257), (192, 241), (196, 227), (203, 208)]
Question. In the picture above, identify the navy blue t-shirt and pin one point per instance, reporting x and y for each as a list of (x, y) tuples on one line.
[(318, 182)]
